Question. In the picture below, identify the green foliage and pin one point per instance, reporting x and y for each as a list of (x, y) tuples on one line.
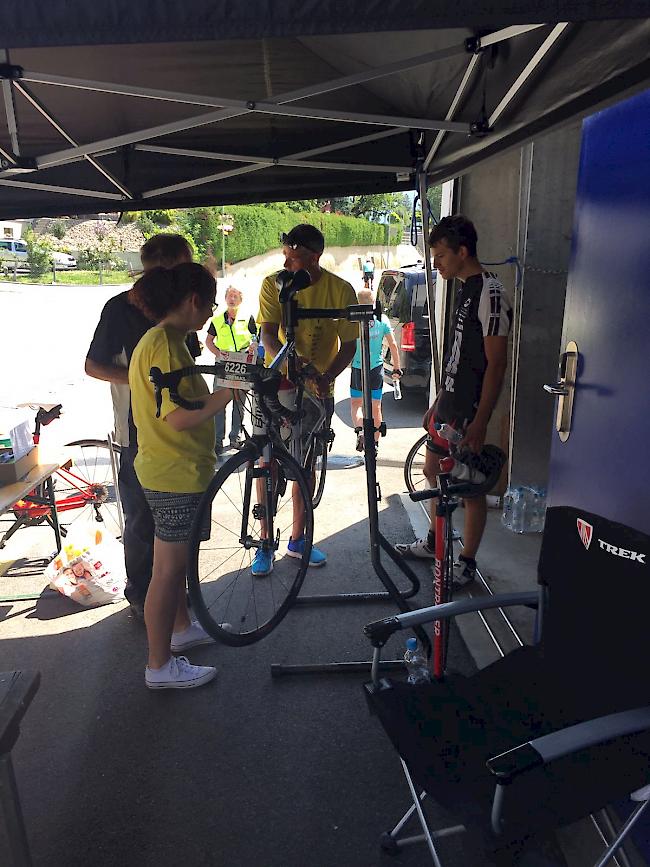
[(257, 229), (39, 252), (58, 230), (102, 253), (434, 195)]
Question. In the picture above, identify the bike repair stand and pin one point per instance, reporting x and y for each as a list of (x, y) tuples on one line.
[(363, 314)]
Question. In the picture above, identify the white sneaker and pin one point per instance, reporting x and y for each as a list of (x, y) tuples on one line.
[(179, 673), (194, 636), (418, 550)]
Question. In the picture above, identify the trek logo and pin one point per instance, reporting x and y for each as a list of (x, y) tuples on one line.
[(586, 532)]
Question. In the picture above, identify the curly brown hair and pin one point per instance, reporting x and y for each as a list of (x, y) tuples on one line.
[(161, 290)]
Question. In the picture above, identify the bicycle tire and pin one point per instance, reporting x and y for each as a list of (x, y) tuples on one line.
[(414, 478), (320, 453), (105, 509), (206, 596)]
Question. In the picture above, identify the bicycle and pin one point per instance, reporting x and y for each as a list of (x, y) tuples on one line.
[(321, 438), (250, 502), (87, 485)]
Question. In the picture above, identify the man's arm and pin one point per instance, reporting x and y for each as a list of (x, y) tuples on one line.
[(209, 342), (340, 361), (107, 372), (270, 339), (496, 353), (394, 350)]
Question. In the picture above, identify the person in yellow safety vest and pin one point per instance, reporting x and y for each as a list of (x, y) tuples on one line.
[(230, 332)]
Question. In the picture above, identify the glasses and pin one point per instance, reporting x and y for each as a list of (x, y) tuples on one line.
[(285, 242)]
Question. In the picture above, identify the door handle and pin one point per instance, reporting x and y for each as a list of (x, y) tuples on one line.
[(564, 389), (558, 388)]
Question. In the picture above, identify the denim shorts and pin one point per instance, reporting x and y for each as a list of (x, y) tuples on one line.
[(173, 515)]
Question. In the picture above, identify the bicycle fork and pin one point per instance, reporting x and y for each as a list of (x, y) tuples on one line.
[(267, 490)]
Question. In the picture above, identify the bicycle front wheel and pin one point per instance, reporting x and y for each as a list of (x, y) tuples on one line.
[(248, 507), (87, 492), (414, 466), (321, 449)]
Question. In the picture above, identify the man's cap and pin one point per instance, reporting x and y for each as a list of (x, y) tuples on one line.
[(304, 235)]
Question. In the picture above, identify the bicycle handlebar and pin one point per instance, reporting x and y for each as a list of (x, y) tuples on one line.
[(430, 493), (265, 384)]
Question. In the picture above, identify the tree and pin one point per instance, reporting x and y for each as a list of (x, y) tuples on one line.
[(39, 251)]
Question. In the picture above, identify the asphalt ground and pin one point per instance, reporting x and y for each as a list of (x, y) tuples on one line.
[(248, 770)]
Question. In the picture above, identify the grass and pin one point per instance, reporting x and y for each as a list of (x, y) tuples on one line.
[(74, 278)]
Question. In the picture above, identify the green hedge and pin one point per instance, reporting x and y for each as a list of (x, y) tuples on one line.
[(257, 230)]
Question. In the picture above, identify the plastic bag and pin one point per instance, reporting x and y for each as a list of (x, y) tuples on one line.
[(89, 568)]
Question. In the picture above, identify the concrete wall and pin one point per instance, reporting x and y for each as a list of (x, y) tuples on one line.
[(522, 204), (489, 196)]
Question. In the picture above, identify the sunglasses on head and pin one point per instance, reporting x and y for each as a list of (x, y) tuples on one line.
[(285, 242)]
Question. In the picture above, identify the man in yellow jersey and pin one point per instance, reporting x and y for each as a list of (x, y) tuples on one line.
[(328, 344)]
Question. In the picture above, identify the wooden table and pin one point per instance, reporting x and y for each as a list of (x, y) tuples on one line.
[(17, 689), (39, 478)]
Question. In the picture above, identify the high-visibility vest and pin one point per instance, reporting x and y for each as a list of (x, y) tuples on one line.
[(233, 336)]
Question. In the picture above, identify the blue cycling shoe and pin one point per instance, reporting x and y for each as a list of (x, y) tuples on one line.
[(296, 548), (262, 563)]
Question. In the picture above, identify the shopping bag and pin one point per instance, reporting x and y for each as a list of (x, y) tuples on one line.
[(89, 568)]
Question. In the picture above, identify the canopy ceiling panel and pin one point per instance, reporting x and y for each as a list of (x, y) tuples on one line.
[(120, 106)]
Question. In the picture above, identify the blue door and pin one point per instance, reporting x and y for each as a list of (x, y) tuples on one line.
[(604, 465)]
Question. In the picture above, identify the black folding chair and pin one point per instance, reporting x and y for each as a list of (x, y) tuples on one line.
[(551, 732)]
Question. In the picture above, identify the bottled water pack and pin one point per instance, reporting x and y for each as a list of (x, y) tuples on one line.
[(524, 509)]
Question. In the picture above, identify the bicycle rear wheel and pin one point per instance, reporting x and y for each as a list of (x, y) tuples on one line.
[(231, 604), (87, 493), (414, 466)]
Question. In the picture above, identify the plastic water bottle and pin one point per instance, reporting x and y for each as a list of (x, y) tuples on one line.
[(519, 511), (447, 432), (508, 502), (463, 472), (397, 390), (416, 663), (538, 511)]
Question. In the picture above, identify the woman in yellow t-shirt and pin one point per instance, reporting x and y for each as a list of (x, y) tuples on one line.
[(175, 461)]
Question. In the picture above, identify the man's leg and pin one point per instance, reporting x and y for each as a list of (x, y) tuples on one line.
[(138, 531), (475, 518), (237, 410)]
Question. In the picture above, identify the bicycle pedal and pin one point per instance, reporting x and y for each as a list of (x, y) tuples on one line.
[(259, 512)]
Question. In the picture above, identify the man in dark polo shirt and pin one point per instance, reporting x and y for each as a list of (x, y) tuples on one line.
[(118, 332)]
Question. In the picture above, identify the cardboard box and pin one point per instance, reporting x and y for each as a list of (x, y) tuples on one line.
[(13, 471)]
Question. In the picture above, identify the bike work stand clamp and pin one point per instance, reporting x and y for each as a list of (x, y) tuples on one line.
[(363, 314)]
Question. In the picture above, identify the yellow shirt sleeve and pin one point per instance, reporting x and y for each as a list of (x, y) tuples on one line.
[(270, 309)]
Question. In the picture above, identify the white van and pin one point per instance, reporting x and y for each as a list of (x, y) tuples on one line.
[(10, 249)]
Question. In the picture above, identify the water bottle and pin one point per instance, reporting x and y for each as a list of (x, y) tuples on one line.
[(252, 356), (506, 517), (397, 390), (261, 352), (416, 663), (463, 472), (538, 511), (518, 511), (447, 432)]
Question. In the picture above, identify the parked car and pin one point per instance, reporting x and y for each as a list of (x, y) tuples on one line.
[(11, 249), (403, 297), (63, 261)]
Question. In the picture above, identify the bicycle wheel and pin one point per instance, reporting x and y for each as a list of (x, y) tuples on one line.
[(320, 449), (87, 493), (232, 605), (414, 467)]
